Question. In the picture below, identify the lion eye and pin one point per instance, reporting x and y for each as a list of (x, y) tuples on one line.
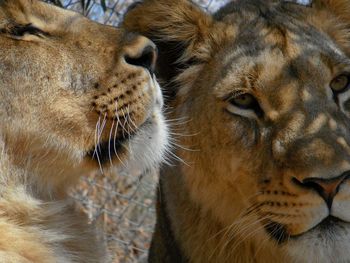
[(340, 83), (244, 101), (17, 30)]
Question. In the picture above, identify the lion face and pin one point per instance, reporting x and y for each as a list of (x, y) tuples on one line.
[(266, 93), (76, 95), (278, 121)]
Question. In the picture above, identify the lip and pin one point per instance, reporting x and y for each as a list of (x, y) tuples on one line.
[(327, 224), (279, 232)]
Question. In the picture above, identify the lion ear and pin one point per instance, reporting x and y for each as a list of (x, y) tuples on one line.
[(333, 18)]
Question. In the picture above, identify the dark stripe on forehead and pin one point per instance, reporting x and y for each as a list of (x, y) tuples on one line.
[(248, 6), (272, 27), (310, 50), (261, 7), (275, 15)]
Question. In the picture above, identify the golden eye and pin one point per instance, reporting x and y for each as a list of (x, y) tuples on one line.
[(340, 83), (244, 101)]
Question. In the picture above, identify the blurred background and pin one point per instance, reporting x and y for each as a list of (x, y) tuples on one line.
[(122, 205), (111, 12)]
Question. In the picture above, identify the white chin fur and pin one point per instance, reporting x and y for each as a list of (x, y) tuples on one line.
[(318, 247), (147, 148)]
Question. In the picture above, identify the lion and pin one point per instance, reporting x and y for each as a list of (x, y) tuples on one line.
[(259, 97), (76, 96)]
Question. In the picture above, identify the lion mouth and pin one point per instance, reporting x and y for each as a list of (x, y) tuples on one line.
[(328, 225), (107, 150)]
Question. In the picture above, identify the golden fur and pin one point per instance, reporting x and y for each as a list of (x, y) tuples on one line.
[(75, 96), (265, 178)]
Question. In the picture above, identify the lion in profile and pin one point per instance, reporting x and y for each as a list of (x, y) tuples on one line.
[(75, 96), (260, 96)]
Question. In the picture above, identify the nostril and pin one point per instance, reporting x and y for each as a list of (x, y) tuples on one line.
[(326, 188), (147, 58)]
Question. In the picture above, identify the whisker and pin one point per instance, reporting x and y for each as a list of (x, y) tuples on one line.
[(96, 134), (115, 135), (227, 230), (131, 121), (123, 124), (129, 136), (96, 153), (247, 236), (183, 135), (245, 217), (177, 158), (243, 232), (177, 145), (109, 143), (135, 126), (100, 131)]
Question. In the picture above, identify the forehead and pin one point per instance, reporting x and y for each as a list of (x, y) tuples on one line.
[(276, 43)]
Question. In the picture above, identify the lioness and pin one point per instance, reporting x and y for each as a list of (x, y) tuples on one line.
[(263, 90), (75, 96)]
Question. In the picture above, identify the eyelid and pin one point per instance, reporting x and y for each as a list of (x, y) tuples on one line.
[(21, 30), (234, 95)]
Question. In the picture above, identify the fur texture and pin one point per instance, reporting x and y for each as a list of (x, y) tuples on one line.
[(76, 96), (262, 90)]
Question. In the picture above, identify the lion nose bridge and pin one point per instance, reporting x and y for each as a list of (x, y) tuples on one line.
[(140, 52), (326, 188)]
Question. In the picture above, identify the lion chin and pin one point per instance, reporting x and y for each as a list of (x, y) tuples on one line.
[(329, 240), (76, 96)]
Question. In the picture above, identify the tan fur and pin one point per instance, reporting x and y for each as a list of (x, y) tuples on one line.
[(238, 196), (67, 92)]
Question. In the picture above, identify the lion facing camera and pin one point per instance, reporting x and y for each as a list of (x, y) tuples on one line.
[(75, 96), (261, 90)]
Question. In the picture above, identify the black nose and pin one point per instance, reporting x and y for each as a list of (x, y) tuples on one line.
[(326, 188), (145, 58)]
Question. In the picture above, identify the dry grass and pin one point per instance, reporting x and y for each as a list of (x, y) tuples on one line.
[(123, 208)]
